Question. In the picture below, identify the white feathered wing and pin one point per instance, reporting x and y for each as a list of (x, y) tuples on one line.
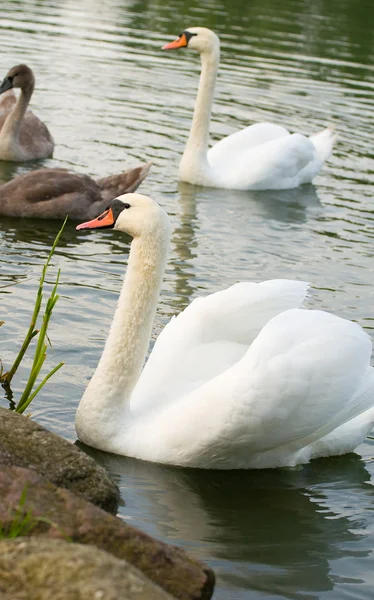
[(280, 401)]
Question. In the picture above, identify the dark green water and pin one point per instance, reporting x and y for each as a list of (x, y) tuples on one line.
[(112, 100)]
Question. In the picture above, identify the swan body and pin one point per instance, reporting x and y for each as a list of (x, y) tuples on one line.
[(54, 193), (23, 136), (263, 156), (242, 378)]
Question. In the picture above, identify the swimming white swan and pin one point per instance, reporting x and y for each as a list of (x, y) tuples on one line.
[(240, 379), (23, 136), (263, 156)]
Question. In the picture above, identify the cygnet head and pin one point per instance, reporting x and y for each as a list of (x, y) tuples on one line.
[(134, 214), (20, 76), (201, 39)]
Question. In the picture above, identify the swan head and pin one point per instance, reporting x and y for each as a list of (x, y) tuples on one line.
[(134, 214), (201, 39), (20, 76)]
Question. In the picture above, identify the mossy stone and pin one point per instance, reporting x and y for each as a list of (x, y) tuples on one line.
[(47, 569), (24, 443)]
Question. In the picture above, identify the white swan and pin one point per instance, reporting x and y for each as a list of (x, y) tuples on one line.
[(240, 379), (263, 156)]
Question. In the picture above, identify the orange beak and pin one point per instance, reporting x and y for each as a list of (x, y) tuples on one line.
[(180, 42), (106, 219)]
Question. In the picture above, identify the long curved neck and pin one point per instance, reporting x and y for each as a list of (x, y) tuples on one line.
[(126, 347), (198, 141), (13, 121)]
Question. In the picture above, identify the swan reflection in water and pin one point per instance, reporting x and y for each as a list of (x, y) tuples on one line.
[(238, 220), (287, 533), (285, 206)]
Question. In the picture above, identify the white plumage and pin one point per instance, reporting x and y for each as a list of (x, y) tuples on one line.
[(281, 162), (263, 156), (242, 378)]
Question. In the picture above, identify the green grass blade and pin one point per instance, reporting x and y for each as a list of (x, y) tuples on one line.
[(31, 380), (38, 302), (41, 347), (23, 407)]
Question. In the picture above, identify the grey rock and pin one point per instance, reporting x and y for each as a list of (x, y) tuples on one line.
[(25, 443), (47, 569), (57, 513)]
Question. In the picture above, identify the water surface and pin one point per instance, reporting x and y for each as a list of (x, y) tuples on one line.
[(113, 99)]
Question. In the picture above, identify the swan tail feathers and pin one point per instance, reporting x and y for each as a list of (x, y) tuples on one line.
[(324, 141), (363, 400), (346, 437), (358, 414), (122, 183)]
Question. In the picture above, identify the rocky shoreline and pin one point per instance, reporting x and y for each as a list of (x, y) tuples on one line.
[(73, 545)]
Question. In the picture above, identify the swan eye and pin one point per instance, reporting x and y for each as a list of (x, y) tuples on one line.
[(117, 206)]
